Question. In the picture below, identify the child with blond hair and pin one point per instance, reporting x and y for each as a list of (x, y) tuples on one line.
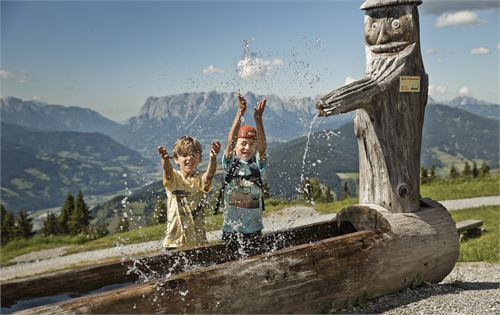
[(186, 190)]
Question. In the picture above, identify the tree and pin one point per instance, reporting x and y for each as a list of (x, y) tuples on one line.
[(66, 212), (453, 172), (266, 190), (432, 175), (485, 169), (101, 230), (80, 218), (124, 225), (7, 225), (328, 195), (475, 170), (24, 225), (424, 176), (345, 191), (316, 189), (307, 190), (160, 212), (467, 170), (51, 225)]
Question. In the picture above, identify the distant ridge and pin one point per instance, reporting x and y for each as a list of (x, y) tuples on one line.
[(39, 167)]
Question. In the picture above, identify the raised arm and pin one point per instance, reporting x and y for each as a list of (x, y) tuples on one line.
[(165, 162), (212, 165), (261, 134), (235, 127)]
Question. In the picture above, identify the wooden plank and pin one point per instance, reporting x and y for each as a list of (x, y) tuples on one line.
[(464, 226), (89, 278), (310, 278)]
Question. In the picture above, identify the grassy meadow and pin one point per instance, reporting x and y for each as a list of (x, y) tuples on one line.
[(484, 248)]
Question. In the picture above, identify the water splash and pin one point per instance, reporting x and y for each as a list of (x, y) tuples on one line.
[(300, 188)]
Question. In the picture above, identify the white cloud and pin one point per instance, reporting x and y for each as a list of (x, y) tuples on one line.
[(349, 80), (480, 51), (277, 62), (437, 7), (212, 69), (498, 47), (430, 51), (4, 74), (254, 68), (457, 19), (436, 90), (463, 91), (36, 98)]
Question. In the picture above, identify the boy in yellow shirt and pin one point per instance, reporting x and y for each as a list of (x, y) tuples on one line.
[(186, 189)]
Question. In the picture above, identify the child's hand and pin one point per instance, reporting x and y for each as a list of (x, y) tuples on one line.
[(259, 109), (242, 104), (162, 151), (214, 149)]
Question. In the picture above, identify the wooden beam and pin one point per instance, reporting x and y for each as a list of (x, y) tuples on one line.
[(310, 278), (89, 278), (464, 226)]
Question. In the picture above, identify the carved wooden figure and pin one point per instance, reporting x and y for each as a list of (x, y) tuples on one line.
[(390, 102)]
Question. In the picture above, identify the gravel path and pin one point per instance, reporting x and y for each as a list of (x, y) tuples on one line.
[(50, 260), (471, 288)]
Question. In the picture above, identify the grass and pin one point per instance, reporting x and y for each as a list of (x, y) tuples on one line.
[(20, 247), (486, 247), (460, 188), (482, 249)]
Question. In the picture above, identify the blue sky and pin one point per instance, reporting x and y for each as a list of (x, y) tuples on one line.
[(110, 56)]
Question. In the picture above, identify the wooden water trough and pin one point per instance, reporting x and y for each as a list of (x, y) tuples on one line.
[(366, 252)]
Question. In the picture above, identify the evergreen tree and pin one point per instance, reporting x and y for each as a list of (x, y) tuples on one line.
[(80, 218), (424, 177), (266, 190), (7, 225), (453, 172), (467, 170), (307, 190), (50, 225), (485, 169), (124, 225), (475, 170), (24, 225), (345, 191), (328, 195), (160, 212), (316, 189), (432, 175), (101, 230), (66, 212)]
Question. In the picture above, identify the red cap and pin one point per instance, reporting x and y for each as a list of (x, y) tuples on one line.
[(247, 132)]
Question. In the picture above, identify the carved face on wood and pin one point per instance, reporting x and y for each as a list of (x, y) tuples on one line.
[(390, 29)]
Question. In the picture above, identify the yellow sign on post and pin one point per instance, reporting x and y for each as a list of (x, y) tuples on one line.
[(409, 83)]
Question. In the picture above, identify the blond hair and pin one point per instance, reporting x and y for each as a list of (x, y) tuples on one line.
[(185, 146)]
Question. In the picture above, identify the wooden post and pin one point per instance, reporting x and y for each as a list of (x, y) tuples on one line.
[(388, 252), (390, 103)]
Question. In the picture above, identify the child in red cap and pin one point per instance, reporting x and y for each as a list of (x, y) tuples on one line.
[(244, 161)]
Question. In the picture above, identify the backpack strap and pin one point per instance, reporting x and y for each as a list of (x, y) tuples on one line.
[(255, 176), (231, 173)]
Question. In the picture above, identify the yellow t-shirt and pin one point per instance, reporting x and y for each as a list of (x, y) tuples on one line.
[(185, 226)]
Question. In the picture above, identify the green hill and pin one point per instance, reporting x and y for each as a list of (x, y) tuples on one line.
[(450, 135), (39, 167)]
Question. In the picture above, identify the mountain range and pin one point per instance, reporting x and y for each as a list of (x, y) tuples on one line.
[(472, 105), (39, 167), (449, 135), (47, 150)]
